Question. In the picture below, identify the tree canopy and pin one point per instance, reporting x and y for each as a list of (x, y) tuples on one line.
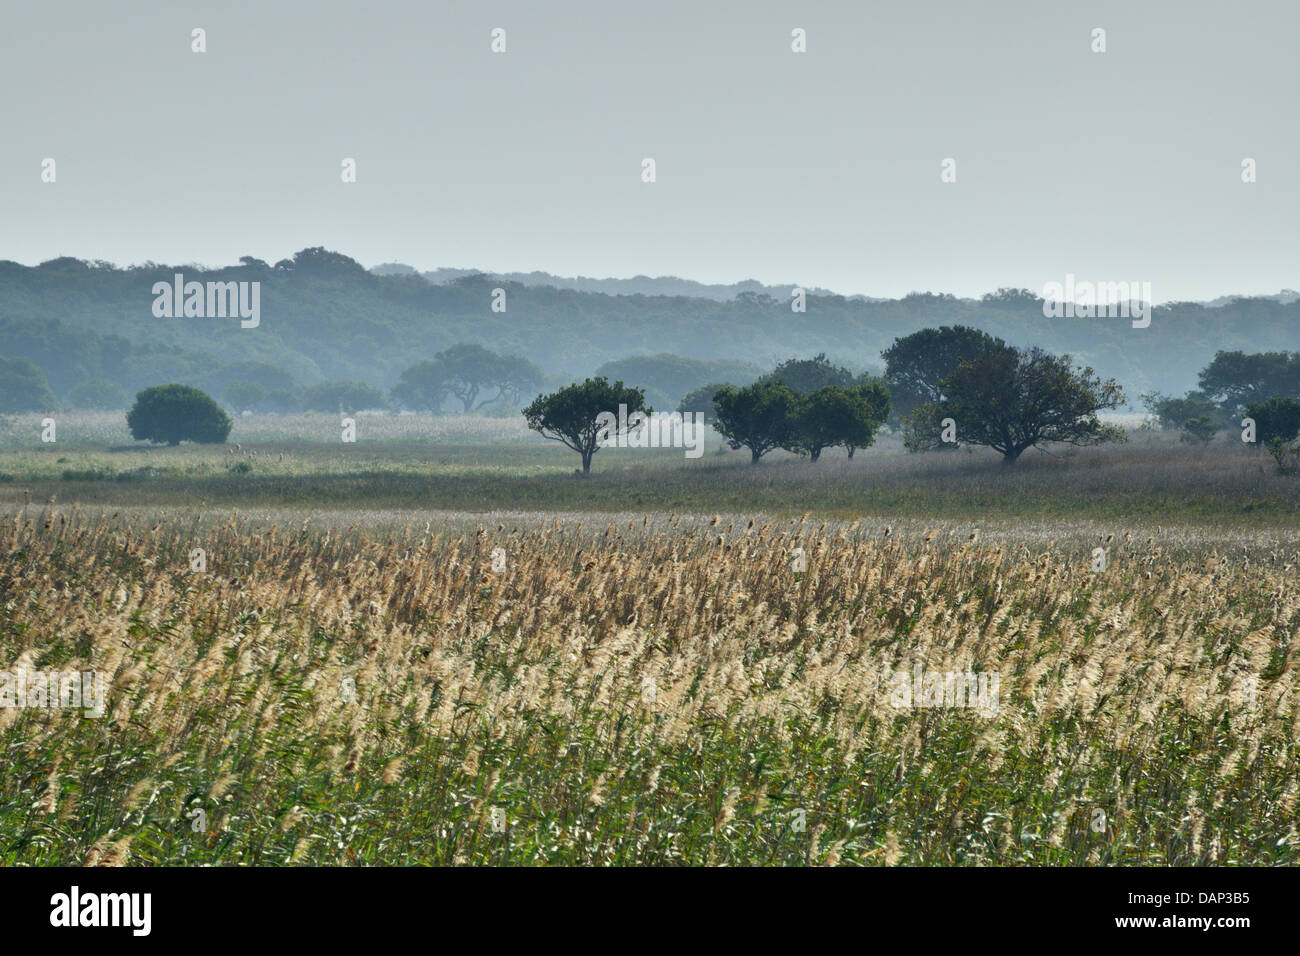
[(171, 414), (917, 364), (1012, 400), (759, 417), (571, 415)]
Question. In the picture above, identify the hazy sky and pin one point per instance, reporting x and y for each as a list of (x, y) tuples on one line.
[(821, 168)]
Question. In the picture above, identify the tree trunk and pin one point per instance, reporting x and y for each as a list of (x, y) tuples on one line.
[(852, 449), (754, 456), (814, 454)]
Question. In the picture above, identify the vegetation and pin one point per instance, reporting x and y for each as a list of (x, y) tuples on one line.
[(346, 697), (760, 417), (23, 387), (98, 393), (917, 364), (573, 415), (669, 380), (463, 371), (840, 417), (1012, 400), (1277, 429), (334, 320), (171, 414)]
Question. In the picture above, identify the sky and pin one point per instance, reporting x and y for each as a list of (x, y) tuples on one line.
[(822, 168)]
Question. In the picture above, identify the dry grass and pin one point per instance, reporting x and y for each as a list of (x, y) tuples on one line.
[(1123, 691)]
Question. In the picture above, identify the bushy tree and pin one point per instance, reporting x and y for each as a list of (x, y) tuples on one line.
[(421, 387), (759, 417), (833, 416), (571, 415), (23, 387), (917, 364), (1277, 419), (171, 414), (1011, 400), (1175, 413), (1200, 430), (806, 376), (1236, 379), (701, 399)]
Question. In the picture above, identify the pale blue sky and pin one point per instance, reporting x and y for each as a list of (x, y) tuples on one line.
[(819, 168)]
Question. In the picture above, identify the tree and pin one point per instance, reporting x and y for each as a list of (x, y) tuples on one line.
[(1277, 419), (834, 416), (759, 417), (701, 399), (806, 376), (342, 396), (1013, 399), (23, 387), (467, 369), (422, 387), (514, 377), (571, 415), (170, 414), (1176, 413), (1236, 379), (464, 370), (917, 364), (1200, 429), (98, 393), (877, 406)]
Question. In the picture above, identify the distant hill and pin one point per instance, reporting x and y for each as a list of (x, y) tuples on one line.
[(637, 285), (324, 316), (1286, 297)]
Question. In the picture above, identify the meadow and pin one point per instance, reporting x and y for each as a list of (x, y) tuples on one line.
[(405, 652), (465, 463)]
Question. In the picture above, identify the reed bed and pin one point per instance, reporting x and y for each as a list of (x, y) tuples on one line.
[(628, 692)]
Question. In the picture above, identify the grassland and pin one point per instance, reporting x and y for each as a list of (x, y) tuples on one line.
[(524, 691), (475, 464), (414, 652)]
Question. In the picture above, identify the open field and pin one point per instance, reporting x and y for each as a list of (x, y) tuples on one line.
[(647, 670), (477, 464), (641, 693)]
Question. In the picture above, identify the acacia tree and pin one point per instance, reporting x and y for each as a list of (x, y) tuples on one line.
[(572, 414), (421, 387), (759, 417), (465, 371), (1012, 399)]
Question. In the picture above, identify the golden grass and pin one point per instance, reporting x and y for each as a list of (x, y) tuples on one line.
[(1125, 691)]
